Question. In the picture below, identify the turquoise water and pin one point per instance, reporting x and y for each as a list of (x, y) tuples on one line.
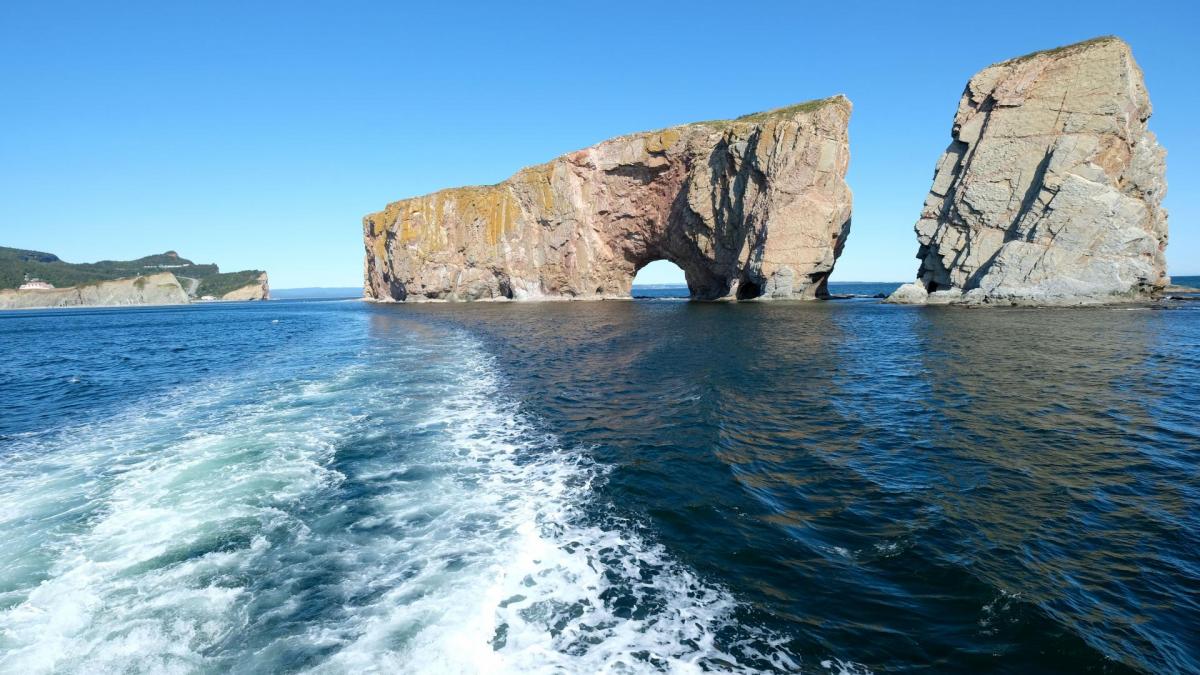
[(600, 486)]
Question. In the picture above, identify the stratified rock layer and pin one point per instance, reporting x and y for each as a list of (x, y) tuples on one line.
[(755, 207), (1051, 190), (259, 290), (161, 288)]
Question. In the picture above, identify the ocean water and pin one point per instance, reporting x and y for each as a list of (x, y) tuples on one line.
[(645, 486), (838, 289)]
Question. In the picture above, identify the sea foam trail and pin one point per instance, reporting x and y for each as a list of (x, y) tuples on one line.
[(139, 527), (557, 594), (400, 514)]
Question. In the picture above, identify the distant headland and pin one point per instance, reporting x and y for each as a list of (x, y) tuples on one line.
[(31, 279)]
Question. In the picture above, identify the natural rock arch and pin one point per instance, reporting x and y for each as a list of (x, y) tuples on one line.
[(755, 207), (661, 272)]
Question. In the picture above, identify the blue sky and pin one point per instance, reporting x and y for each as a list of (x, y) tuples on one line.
[(257, 134)]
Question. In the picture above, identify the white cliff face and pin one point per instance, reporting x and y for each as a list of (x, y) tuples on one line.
[(1050, 192), (153, 289), (259, 290), (751, 208)]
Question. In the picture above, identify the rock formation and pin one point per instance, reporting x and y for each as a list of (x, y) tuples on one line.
[(260, 289), (755, 207), (144, 281), (161, 288), (1050, 191)]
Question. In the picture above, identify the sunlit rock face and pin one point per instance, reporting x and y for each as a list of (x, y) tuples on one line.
[(751, 208), (1050, 192), (260, 289), (160, 288)]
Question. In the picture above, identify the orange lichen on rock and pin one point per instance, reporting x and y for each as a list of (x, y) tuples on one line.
[(741, 205)]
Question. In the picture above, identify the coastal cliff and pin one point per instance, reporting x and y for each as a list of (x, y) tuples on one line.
[(161, 288), (30, 279), (258, 289), (1050, 192), (750, 208)]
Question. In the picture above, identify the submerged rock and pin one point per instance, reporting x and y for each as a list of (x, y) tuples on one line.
[(1050, 192), (755, 207)]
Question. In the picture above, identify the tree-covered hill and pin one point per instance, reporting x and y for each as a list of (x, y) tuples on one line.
[(16, 263), (217, 285)]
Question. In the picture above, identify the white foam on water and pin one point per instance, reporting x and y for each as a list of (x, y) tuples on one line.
[(138, 521), (435, 528), (553, 592)]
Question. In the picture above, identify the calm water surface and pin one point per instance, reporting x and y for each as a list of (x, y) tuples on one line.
[(603, 486)]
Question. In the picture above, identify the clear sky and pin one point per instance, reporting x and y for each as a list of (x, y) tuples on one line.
[(257, 134)]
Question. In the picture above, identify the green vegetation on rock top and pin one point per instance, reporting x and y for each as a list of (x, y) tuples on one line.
[(544, 168), (16, 263), (217, 285), (1062, 50), (806, 106), (763, 116)]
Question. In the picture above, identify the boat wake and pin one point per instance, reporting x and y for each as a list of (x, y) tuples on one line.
[(401, 514)]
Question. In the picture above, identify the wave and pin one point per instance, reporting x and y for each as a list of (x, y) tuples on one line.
[(126, 537), (401, 514), (555, 593)]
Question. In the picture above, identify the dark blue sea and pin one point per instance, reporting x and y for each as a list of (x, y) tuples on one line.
[(843, 290), (615, 486)]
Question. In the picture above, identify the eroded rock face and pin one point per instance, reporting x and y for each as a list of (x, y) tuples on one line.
[(755, 207), (1050, 192), (259, 290), (161, 288)]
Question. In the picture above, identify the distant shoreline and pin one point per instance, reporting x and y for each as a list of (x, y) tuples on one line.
[(214, 303), (317, 292)]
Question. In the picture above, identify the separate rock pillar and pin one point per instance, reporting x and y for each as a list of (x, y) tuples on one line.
[(1051, 191)]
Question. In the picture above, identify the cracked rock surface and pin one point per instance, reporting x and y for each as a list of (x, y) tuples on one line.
[(751, 208), (1050, 192)]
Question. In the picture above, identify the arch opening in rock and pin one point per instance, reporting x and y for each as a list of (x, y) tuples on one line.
[(660, 278), (751, 208)]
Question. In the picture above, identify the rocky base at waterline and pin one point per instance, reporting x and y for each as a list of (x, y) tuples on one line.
[(258, 289), (1050, 192), (751, 208), (34, 279)]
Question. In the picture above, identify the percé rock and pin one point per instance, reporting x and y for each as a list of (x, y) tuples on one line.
[(260, 289), (1050, 192), (161, 288), (755, 207)]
